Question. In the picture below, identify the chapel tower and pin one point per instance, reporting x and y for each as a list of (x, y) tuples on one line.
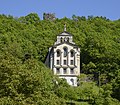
[(64, 58)]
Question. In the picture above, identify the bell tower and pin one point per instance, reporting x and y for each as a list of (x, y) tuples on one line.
[(64, 58)]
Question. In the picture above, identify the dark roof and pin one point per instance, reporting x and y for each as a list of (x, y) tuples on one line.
[(65, 33)]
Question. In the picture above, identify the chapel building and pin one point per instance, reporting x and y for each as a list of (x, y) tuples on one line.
[(64, 58)]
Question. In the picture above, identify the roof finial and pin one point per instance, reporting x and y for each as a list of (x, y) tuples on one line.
[(64, 27)]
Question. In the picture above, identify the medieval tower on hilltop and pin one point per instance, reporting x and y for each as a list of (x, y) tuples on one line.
[(64, 58)]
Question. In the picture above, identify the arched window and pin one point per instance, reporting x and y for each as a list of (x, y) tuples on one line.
[(58, 70), (58, 53), (65, 51), (64, 70), (72, 81), (71, 62), (61, 39), (67, 39), (71, 71), (71, 53)]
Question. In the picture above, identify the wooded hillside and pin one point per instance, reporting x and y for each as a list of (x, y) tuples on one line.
[(24, 43)]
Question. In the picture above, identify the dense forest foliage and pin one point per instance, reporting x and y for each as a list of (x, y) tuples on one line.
[(25, 80)]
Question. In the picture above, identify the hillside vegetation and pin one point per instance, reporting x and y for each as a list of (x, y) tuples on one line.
[(25, 80)]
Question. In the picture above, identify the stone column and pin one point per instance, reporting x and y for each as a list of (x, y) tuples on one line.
[(68, 71), (61, 57), (61, 71), (75, 59), (78, 65), (51, 62), (68, 59), (55, 58), (54, 70)]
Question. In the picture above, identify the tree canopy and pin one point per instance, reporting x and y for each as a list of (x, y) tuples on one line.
[(25, 80)]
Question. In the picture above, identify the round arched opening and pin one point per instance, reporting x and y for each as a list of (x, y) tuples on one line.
[(65, 51), (72, 81), (72, 53), (58, 53)]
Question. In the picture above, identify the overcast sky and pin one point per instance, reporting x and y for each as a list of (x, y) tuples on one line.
[(62, 8)]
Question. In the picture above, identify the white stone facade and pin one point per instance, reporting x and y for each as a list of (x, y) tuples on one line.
[(64, 58)]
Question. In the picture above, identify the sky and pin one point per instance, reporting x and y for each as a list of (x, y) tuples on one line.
[(62, 8)]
